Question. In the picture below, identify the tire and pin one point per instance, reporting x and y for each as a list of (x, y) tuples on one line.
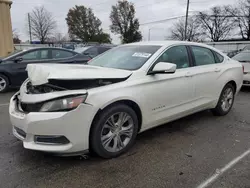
[(4, 83), (106, 131), (222, 109)]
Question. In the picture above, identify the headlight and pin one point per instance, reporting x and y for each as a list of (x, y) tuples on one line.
[(63, 104)]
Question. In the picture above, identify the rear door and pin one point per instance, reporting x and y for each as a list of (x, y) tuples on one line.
[(207, 69)]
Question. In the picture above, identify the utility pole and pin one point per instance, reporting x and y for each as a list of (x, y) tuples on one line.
[(29, 28), (186, 23), (149, 34)]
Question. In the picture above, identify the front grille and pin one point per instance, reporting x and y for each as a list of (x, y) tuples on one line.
[(246, 82), (39, 139), (31, 107), (20, 132)]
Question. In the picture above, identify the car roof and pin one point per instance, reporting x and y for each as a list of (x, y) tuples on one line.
[(167, 43), (48, 47)]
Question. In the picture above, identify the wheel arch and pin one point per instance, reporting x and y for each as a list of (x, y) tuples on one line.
[(234, 85), (7, 76), (127, 102)]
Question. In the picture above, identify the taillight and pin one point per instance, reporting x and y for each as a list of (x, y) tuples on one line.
[(243, 69)]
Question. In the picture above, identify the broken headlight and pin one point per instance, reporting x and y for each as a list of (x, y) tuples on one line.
[(63, 104)]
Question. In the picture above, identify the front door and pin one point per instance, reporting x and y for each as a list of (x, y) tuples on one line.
[(34, 56), (169, 96)]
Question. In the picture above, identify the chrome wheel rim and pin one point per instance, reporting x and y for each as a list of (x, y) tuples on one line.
[(117, 132), (2, 84), (227, 99)]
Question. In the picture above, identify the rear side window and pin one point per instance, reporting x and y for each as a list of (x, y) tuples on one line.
[(57, 54), (36, 55), (218, 58), (203, 56)]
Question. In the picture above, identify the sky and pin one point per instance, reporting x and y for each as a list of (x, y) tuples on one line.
[(147, 11)]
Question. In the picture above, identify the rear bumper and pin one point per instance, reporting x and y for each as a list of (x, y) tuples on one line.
[(246, 79)]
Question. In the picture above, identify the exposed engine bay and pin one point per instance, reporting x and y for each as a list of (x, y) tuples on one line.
[(62, 85)]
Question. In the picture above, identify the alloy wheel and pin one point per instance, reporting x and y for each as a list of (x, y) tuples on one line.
[(227, 99), (2, 83), (117, 132)]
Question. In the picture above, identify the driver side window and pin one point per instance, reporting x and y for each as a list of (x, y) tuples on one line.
[(177, 55), (36, 55)]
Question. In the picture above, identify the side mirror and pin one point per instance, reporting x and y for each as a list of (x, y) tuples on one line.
[(18, 59), (87, 54), (163, 68)]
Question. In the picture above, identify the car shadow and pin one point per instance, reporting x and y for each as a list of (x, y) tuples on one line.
[(181, 125), (245, 89), (39, 164)]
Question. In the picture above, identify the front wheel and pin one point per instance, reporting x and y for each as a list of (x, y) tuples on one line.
[(226, 101), (114, 131)]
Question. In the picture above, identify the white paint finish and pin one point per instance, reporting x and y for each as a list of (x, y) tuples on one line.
[(221, 171), (161, 97), (41, 73), (71, 124), (246, 77)]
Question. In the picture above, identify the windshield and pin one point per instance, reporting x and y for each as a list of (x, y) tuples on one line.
[(12, 54), (125, 57), (81, 50), (243, 56)]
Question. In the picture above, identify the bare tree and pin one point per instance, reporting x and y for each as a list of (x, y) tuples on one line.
[(15, 35), (241, 15), (217, 23), (59, 37), (193, 30), (42, 24)]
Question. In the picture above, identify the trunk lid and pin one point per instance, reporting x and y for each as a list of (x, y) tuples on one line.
[(41, 73)]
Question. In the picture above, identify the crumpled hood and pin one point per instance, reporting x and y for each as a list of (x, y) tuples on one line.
[(41, 73)]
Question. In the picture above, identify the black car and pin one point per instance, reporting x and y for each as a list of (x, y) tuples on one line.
[(13, 67), (93, 51)]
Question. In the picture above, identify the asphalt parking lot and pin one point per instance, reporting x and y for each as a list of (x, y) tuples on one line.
[(185, 153)]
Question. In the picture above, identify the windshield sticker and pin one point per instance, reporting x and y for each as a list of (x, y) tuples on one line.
[(141, 54)]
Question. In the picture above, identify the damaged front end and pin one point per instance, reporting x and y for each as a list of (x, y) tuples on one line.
[(63, 85), (53, 77)]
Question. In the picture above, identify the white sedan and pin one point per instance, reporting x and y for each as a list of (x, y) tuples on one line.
[(244, 58), (102, 106)]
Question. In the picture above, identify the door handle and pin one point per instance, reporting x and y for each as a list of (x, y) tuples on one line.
[(188, 74), (217, 70)]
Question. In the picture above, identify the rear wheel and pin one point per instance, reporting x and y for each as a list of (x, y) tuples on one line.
[(226, 101), (114, 131), (4, 83)]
